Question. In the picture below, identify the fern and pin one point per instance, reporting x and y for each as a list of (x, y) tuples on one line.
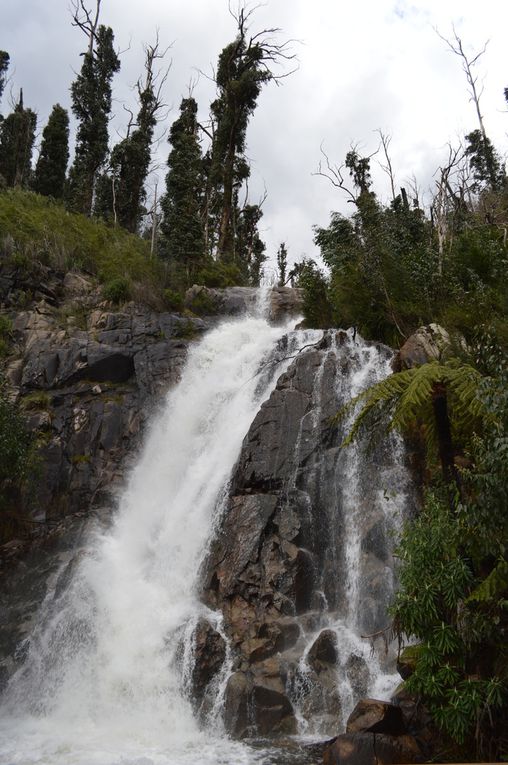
[(405, 398), (495, 585)]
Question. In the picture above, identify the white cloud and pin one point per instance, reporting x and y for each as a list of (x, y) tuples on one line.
[(363, 65)]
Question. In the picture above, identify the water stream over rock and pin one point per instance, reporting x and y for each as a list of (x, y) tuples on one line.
[(247, 555)]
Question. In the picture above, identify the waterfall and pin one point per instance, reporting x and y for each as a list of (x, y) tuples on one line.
[(366, 491), (102, 683), (107, 676)]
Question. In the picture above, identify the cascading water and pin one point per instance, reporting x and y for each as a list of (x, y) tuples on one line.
[(366, 497), (108, 676), (101, 684)]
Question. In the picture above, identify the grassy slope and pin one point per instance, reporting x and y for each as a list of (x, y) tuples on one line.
[(32, 225)]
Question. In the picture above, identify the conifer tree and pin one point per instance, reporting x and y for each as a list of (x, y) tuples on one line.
[(91, 104), (4, 65), (282, 263), (49, 178), (17, 136), (181, 228), (250, 248)]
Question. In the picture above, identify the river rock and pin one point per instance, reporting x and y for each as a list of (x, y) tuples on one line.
[(372, 749), (323, 650), (373, 716)]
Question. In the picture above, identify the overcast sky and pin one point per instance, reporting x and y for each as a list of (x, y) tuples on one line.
[(363, 65)]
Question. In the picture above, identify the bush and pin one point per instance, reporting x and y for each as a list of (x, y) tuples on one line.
[(173, 300), (117, 290), (5, 335)]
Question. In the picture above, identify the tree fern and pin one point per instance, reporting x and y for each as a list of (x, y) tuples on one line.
[(405, 398)]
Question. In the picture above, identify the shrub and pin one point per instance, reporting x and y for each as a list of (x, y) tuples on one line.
[(173, 300), (117, 290)]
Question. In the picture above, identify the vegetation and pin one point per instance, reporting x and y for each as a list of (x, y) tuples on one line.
[(17, 137), (51, 167), (17, 465), (453, 595), (37, 227)]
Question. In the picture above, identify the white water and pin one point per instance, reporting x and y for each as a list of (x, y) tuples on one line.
[(101, 684), (366, 366)]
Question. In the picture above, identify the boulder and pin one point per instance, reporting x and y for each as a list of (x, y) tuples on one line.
[(372, 749), (284, 302), (323, 651), (209, 656), (426, 344), (373, 716)]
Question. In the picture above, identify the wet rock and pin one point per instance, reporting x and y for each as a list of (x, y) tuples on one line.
[(420, 725), (373, 716), (372, 749), (272, 711), (236, 705), (209, 656), (284, 302), (323, 650)]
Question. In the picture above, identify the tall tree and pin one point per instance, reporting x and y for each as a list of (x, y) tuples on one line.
[(282, 263), (250, 248), (182, 229), (51, 166), (4, 65), (121, 191), (244, 66), (17, 136), (91, 104)]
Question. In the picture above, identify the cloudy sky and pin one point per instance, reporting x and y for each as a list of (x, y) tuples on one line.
[(364, 65)]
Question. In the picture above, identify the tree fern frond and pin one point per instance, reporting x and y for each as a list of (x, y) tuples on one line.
[(493, 586)]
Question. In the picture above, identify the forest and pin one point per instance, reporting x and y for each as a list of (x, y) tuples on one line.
[(386, 269)]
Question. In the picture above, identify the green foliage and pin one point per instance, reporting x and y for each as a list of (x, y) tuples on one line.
[(91, 105), (405, 398), (389, 272), (173, 300), (17, 462), (130, 160), (282, 263), (461, 667), (37, 400), (484, 161), (117, 290), (317, 308), (182, 228), (249, 247), (204, 304), (17, 136), (216, 273), (5, 335), (43, 229), (49, 178), (4, 65), (242, 70)]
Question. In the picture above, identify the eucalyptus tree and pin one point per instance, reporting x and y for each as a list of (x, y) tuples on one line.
[(121, 191), (91, 105), (17, 136), (49, 177), (244, 66)]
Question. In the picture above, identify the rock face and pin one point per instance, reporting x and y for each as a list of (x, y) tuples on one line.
[(88, 376), (232, 301), (276, 569), (426, 344), (376, 734)]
